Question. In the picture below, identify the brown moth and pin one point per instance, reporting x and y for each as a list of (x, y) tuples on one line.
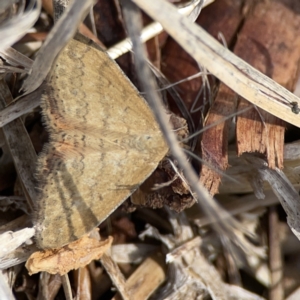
[(104, 142)]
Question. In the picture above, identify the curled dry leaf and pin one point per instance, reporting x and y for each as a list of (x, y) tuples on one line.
[(72, 256)]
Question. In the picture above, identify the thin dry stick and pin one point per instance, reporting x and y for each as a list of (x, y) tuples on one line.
[(275, 260), (230, 69), (67, 286), (19, 108), (115, 275), (237, 205), (211, 208), (64, 29), (153, 29), (184, 248)]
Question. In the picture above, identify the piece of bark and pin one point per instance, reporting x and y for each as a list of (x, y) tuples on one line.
[(214, 139), (167, 185), (75, 255), (244, 79), (164, 187), (276, 54), (214, 142), (177, 64), (256, 129)]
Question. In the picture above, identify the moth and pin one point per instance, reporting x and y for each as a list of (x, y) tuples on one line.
[(104, 142)]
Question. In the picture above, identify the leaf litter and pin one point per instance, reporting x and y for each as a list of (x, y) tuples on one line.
[(190, 260)]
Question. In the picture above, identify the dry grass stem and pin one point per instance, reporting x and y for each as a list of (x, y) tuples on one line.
[(152, 30)]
